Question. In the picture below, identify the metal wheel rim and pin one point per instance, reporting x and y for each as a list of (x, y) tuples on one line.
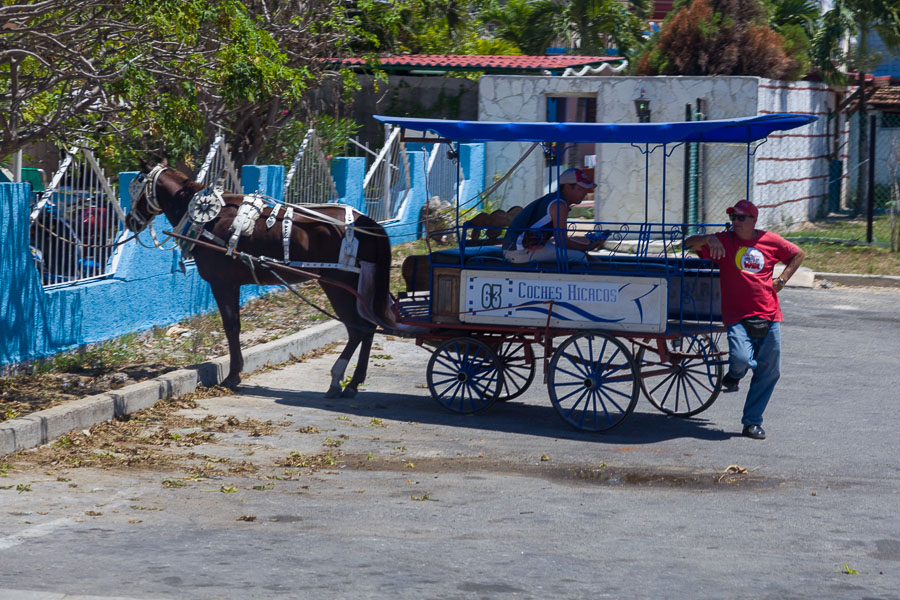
[(464, 375), (690, 388), (593, 382)]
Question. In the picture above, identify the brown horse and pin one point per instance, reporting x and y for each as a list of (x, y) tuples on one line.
[(315, 234)]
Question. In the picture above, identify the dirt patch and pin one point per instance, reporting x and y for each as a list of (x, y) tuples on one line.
[(573, 474)]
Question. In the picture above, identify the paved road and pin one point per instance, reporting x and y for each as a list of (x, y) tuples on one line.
[(510, 504)]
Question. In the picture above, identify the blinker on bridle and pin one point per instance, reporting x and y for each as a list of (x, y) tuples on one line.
[(138, 188)]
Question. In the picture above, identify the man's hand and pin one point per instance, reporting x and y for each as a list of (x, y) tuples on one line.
[(716, 249)]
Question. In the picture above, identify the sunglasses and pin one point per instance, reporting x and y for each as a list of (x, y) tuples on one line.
[(740, 218)]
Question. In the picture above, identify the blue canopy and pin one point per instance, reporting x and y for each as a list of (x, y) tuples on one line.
[(743, 129)]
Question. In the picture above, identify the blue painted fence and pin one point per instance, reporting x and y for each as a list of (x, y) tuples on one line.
[(148, 288)]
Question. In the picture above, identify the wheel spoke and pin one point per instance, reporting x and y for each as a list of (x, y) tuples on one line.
[(577, 402), (464, 375)]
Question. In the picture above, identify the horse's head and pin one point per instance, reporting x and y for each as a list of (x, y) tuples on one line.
[(144, 200)]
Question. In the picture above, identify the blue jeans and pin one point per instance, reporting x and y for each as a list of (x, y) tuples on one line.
[(763, 355)]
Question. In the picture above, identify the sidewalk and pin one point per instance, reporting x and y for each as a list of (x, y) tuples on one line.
[(44, 426)]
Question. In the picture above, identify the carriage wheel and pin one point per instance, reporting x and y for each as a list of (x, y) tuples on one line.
[(593, 382), (517, 360), (689, 383), (464, 375)]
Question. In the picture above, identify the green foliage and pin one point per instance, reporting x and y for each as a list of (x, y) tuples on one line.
[(718, 37), (164, 75), (854, 18), (102, 358), (588, 27), (332, 132)]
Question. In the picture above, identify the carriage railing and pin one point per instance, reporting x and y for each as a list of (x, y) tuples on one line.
[(75, 221), (218, 165), (309, 179), (387, 182)]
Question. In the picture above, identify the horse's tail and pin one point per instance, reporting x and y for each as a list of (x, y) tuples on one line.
[(382, 270)]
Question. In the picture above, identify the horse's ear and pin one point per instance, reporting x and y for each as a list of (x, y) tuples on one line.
[(164, 162), (145, 166)]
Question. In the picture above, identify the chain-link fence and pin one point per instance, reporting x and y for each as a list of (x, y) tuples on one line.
[(842, 211), (805, 182)]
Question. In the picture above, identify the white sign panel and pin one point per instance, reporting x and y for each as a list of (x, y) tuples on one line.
[(569, 301)]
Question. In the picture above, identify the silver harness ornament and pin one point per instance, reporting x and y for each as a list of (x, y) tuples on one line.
[(248, 212), (287, 224)]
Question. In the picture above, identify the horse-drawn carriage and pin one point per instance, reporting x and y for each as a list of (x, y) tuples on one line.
[(639, 316)]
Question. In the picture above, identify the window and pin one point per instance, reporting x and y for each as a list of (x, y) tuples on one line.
[(573, 109), (890, 120)]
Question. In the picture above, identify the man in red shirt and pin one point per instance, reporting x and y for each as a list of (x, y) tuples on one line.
[(746, 257)]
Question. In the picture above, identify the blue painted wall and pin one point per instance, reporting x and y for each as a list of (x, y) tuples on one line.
[(148, 288)]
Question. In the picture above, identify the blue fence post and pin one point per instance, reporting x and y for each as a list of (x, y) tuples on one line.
[(349, 172), (471, 162), (267, 180), (405, 228)]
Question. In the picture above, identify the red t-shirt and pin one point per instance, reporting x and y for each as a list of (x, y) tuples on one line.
[(746, 274)]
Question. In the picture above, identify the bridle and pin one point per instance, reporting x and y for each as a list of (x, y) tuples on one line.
[(137, 189)]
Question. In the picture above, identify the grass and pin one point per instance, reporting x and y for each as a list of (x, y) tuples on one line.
[(839, 229), (823, 257), (836, 245)]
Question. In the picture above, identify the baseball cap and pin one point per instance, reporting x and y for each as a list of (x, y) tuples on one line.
[(744, 207), (576, 176)]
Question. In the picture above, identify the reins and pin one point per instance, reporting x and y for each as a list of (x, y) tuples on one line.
[(270, 264)]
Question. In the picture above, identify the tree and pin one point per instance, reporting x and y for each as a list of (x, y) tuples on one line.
[(859, 18), (162, 75), (589, 27), (719, 37), (797, 22), (57, 60)]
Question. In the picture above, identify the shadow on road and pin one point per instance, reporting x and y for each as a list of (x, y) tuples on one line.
[(508, 417)]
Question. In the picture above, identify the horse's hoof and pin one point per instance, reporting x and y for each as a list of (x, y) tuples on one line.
[(231, 382), (348, 392), (333, 392)]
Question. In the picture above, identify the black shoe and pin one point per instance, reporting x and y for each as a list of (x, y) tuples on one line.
[(754, 431), (730, 384)]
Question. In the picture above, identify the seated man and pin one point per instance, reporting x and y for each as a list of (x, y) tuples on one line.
[(532, 234)]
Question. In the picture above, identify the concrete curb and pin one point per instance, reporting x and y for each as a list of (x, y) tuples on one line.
[(44, 426), (860, 280)]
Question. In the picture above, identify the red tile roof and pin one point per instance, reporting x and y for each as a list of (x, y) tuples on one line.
[(485, 62), (885, 98)]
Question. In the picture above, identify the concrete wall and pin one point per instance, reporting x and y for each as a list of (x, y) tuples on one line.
[(621, 170), (148, 287), (790, 170)]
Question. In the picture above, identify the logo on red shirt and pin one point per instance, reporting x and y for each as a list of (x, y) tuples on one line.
[(750, 259)]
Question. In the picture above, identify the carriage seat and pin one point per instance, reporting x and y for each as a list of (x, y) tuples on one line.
[(482, 248)]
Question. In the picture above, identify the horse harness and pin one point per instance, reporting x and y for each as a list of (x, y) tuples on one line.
[(206, 206)]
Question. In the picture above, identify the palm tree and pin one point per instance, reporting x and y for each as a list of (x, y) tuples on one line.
[(859, 18), (587, 26)]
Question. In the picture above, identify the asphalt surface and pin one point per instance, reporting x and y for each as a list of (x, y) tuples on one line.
[(420, 502)]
